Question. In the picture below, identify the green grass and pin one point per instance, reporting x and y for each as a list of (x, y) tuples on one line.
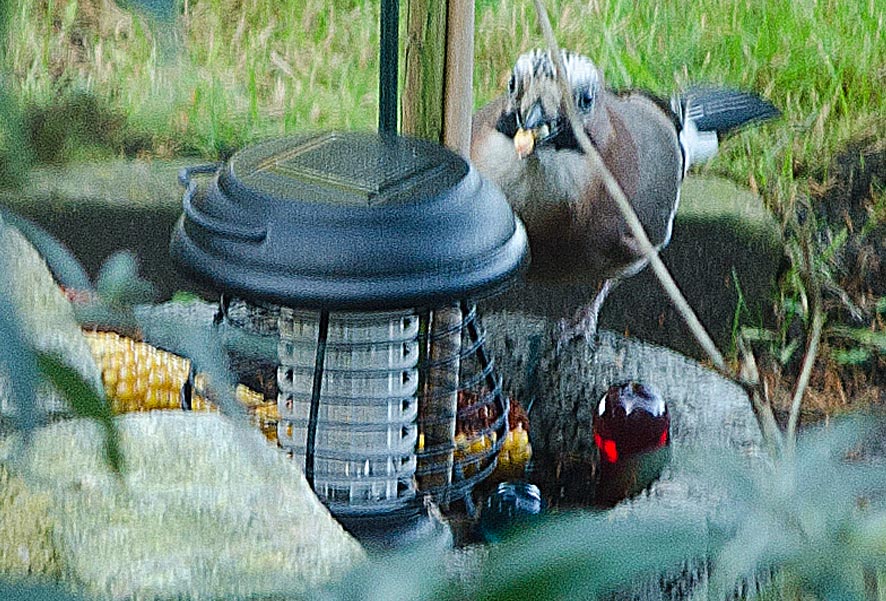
[(239, 70)]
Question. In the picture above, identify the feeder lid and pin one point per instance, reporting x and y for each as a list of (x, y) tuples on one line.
[(359, 221)]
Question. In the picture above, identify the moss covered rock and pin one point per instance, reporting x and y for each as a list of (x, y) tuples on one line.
[(26, 528), (206, 510), (44, 314)]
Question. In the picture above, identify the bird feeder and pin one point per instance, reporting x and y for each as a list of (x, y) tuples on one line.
[(347, 248)]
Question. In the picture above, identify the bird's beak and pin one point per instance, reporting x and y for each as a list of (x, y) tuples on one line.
[(525, 139), (533, 130)]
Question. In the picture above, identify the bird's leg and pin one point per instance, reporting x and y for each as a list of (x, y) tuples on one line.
[(584, 323)]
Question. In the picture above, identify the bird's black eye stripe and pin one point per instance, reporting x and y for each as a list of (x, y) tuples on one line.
[(512, 84), (507, 124)]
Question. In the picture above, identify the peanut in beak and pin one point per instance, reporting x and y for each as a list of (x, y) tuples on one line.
[(524, 142), (525, 139)]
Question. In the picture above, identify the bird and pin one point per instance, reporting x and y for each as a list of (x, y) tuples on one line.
[(522, 141)]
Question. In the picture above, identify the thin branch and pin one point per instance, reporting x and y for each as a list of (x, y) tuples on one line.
[(811, 355), (749, 380), (805, 374), (614, 190)]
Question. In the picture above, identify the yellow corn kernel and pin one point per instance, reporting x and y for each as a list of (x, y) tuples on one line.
[(478, 445), (250, 398), (141, 377), (266, 412)]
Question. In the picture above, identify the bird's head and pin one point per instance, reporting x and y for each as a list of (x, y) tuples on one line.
[(535, 113)]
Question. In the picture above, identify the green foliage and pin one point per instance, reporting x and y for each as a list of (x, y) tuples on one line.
[(818, 519), (570, 556), (184, 297), (851, 356), (15, 156), (206, 349), (85, 402), (119, 288), (24, 367), (249, 69), (119, 284), (17, 358)]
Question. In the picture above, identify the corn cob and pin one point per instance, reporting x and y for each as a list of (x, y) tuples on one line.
[(141, 377), (136, 375)]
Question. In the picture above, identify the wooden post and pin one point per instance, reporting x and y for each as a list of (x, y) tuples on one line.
[(436, 106), (458, 98), (422, 103), (438, 98)]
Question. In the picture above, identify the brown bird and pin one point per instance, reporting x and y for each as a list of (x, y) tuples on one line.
[(522, 141)]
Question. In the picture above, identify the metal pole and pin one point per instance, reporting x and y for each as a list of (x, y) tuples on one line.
[(388, 66)]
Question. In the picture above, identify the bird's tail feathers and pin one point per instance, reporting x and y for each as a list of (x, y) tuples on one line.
[(708, 114), (724, 110)]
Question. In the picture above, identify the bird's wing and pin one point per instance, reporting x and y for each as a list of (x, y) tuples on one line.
[(644, 155), (708, 114)]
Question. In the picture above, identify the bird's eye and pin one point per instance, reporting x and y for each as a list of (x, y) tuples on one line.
[(512, 85), (584, 99)]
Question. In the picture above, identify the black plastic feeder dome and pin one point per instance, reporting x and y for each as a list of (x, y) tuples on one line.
[(360, 256), (349, 221)]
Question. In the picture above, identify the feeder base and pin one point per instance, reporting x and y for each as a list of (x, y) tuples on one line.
[(399, 530)]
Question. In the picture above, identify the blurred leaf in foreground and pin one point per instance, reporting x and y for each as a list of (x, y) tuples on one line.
[(119, 288), (20, 591), (817, 518), (119, 283), (18, 371), (85, 402), (568, 556)]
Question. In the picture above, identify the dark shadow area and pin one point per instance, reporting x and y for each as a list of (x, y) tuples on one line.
[(95, 232), (703, 256)]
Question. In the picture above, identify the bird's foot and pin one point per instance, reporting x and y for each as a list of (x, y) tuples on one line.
[(583, 325)]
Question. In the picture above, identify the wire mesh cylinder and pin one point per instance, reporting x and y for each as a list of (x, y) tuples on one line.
[(382, 407), (448, 468)]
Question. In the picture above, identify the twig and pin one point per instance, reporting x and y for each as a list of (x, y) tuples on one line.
[(614, 190), (749, 380), (811, 355), (805, 373)]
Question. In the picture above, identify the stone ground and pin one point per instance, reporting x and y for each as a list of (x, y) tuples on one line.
[(206, 508)]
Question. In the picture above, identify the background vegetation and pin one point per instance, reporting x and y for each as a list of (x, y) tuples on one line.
[(94, 79)]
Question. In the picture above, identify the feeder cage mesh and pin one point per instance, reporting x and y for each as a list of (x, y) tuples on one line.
[(382, 407)]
